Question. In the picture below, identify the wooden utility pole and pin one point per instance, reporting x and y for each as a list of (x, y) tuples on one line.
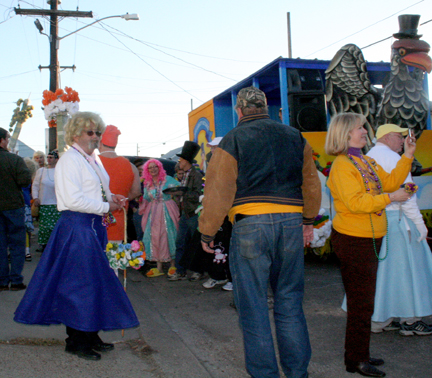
[(54, 67)]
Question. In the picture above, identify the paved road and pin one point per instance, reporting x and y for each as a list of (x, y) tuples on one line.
[(188, 331)]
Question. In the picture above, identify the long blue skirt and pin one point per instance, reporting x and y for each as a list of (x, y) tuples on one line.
[(404, 279), (73, 283)]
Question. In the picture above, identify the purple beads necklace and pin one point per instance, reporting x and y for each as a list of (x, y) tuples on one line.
[(378, 183)]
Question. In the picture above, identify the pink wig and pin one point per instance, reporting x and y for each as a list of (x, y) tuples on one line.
[(148, 180)]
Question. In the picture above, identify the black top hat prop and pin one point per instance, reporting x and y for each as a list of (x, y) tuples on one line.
[(408, 24), (189, 151)]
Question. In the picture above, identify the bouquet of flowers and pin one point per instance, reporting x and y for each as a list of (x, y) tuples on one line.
[(322, 230), (410, 187), (60, 101), (122, 256)]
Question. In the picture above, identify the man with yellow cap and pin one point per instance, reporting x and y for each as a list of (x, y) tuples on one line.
[(404, 279)]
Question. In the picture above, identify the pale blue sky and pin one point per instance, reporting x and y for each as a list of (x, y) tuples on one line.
[(183, 50)]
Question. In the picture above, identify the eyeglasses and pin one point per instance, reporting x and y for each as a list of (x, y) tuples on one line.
[(91, 133), (154, 167)]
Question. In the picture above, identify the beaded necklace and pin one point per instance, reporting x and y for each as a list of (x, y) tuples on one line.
[(107, 218), (158, 191), (378, 183)]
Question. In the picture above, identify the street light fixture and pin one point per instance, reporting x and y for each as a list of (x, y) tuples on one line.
[(127, 17), (40, 27)]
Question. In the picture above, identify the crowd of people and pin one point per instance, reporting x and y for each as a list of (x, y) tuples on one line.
[(240, 224)]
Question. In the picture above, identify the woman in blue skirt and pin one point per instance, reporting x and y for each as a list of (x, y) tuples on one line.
[(73, 283)]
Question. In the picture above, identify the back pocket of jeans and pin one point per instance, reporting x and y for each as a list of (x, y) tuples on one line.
[(249, 241)]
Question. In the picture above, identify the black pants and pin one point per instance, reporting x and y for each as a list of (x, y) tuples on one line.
[(80, 340), (359, 267)]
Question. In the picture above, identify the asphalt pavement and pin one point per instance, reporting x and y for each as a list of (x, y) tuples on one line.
[(189, 331)]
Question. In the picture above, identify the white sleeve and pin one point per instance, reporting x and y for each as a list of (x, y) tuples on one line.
[(411, 211), (36, 183)]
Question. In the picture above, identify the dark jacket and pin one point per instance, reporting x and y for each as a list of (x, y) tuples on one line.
[(14, 175), (191, 197), (260, 161)]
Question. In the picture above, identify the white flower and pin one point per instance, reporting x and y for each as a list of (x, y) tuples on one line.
[(321, 235)]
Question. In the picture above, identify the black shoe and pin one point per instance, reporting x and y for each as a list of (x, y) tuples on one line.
[(17, 287), (103, 347), (365, 369), (4, 287), (87, 354), (28, 257), (376, 361)]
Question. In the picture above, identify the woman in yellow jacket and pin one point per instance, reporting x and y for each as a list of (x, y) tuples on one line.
[(359, 189)]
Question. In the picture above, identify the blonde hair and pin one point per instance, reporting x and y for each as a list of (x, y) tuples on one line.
[(338, 134), (38, 153), (32, 166), (81, 121)]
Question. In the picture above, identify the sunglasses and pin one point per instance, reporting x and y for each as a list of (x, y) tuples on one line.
[(91, 133)]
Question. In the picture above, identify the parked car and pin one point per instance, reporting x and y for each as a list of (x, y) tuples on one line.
[(168, 165)]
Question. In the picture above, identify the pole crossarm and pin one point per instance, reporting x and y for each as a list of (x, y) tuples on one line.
[(50, 12)]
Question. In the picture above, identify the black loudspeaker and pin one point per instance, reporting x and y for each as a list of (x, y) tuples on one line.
[(307, 111)]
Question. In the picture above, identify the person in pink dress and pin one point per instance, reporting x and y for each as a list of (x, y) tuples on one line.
[(160, 217)]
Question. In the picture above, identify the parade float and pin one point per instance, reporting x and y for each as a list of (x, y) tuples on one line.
[(305, 94), (58, 106)]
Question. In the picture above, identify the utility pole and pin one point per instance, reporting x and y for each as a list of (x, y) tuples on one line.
[(289, 34), (54, 67)]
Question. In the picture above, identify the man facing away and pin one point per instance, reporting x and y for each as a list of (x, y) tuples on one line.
[(14, 175), (263, 176)]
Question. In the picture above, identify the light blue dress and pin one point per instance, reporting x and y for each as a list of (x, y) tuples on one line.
[(404, 279)]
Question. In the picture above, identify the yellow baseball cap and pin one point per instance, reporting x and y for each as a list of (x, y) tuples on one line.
[(390, 128)]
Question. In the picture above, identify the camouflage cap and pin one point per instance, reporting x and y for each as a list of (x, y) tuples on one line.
[(251, 97)]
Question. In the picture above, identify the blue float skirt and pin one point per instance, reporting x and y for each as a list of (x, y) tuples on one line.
[(73, 283)]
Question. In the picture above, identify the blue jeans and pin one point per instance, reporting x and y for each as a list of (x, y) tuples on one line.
[(12, 235), (265, 249), (186, 229)]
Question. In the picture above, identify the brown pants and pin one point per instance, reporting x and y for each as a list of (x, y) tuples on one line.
[(359, 266)]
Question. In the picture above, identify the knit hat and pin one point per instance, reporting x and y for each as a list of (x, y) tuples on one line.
[(390, 128), (110, 136)]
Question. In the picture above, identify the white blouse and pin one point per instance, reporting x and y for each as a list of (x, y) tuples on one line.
[(43, 186), (77, 185)]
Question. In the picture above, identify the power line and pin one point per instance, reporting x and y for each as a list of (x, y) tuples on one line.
[(153, 68), (367, 27), (385, 39), (13, 75), (172, 56)]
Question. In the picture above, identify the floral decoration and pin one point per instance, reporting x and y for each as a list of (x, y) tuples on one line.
[(59, 101), (122, 256), (410, 187), (21, 113), (322, 230), (324, 170)]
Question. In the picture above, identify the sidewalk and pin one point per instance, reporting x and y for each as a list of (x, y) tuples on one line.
[(188, 331)]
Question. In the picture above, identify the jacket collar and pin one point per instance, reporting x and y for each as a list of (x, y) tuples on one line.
[(252, 117)]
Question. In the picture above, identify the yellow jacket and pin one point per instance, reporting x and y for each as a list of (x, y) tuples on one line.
[(353, 204)]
